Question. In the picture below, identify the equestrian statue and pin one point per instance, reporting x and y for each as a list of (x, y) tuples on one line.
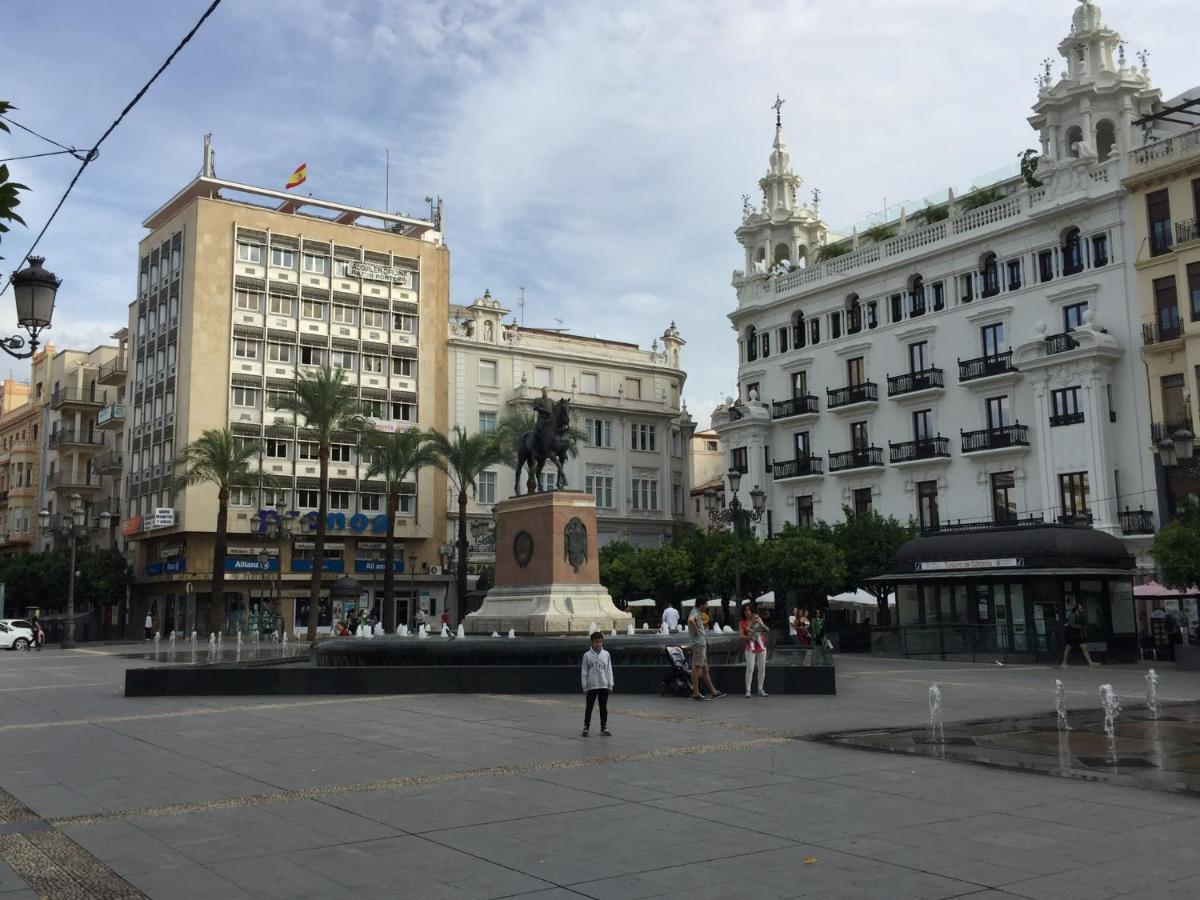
[(548, 439)]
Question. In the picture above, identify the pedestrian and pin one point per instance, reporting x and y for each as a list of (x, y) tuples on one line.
[(445, 619), (39, 636), (754, 646), (670, 617), (1075, 635), (818, 630), (803, 627), (352, 622), (419, 619), (149, 625), (597, 676), (699, 641)]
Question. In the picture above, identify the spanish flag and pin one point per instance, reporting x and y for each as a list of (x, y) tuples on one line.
[(298, 177)]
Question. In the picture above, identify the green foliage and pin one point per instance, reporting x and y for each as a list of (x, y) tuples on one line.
[(41, 579), (879, 233), (217, 457), (9, 200), (833, 251), (982, 198), (931, 214), (1029, 164), (805, 563), (324, 404), (868, 543), (464, 456), (1176, 549), (394, 456)]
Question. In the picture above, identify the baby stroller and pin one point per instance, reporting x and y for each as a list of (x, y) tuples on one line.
[(678, 679)]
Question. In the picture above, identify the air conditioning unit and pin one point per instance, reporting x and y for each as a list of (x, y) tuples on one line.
[(435, 570)]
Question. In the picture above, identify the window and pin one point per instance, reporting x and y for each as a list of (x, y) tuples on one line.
[(1072, 253), (872, 314), (1004, 499), (345, 315), (370, 503), (645, 493), (1046, 266), (1166, 308), (316, 264), (992, 337), (1014, 274), (276, 449), (633, 388), (485, 487), (306, 499), (804, 511), (765, 338), (643, 436), (927, 505), (739, 459), (856, 372), (275, 399), (600, 487), (1065, 408), (800, 384), (244, 349), (918, 356), (313, 356), (373, 318), (1099, 250), (283, 258), (1193, 276), (799, 332), (543, 377), (487, 422), (404, 368), (339, 500), (313, 309), (939, 296), (711, 446), (991, 275), (245, 398), (814, 331), (800, 445), (782, 340), (859, 440), (281, 353), (1073, 492), (341, 453), (241, 496), (835, 326), (1073, 315), (1158, 217), (589, 383), (341, 268), (374, 365), (862, 501), (677, 499), (896, 302), (282, 305), (489, 372), (404, 323), (1174, 402), (922, 420), (309, 450), (751, 344), (376, 409), (966, 288), (251, 301), (597, 432), (997, 412), (916, 297), (249, 252), (347, 360), (404, 412)]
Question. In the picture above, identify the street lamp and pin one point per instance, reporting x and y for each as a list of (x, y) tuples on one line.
[(74, 524), (736, 515), (412, 588), (280, 531), (34, 290)]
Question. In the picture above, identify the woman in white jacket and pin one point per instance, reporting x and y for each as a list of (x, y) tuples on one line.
[(597, 676)]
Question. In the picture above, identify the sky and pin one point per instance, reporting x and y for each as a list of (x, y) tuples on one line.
[(594, 154)]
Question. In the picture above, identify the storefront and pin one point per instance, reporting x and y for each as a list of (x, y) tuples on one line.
[(1005, 592)]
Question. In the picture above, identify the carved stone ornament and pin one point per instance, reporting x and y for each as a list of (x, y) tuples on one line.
[(523, 548), (575, 543)]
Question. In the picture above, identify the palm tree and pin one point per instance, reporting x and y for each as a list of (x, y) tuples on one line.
[(218, 457), (463, 457), (328, 407), (394, 457)]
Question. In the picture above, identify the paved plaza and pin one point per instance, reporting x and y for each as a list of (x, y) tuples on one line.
[(498, 796)]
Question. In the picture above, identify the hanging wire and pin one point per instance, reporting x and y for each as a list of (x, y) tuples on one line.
[(40, 155)]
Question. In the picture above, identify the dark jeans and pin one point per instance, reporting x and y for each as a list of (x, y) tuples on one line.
[(602, 693)]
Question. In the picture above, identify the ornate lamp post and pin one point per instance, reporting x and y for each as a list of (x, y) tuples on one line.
[(737, 516), (72, 524), (412, 588), (34, 290), (279, 531)]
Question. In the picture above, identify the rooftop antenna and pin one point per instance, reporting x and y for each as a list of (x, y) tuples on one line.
[(521, 304), (209, 169)]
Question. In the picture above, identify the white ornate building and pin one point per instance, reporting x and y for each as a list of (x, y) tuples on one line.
[(626, 400), (977, 360)]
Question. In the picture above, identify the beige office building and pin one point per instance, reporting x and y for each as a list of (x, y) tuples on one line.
[(240, 288)]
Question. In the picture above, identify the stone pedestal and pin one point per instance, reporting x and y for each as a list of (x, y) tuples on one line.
[(547, 569)]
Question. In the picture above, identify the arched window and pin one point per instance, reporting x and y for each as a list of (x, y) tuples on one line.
[(1106, 139), (990, 270), (1072, 251), (761, 254), (799, 337), (782, 255), (916, 296), (1074, 136), (854, 318), (750, 340)]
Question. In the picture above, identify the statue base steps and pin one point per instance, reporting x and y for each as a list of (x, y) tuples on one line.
[(547, 609)]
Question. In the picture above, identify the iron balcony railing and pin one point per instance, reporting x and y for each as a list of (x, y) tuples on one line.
[(915, 381), (921, 448), (995, 438), (108, 461), (71, 436), (1136, 521), (985, 525), (1079, 518), (1169, 327), (57, 480), (1060, 343), (1165, 430), (799, 467), (75, 395), (984, 366), (1073, 418), (115, 368), (794, 406), (855, 459), (1186, 231), (855, 393)]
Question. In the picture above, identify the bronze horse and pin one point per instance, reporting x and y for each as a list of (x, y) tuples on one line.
[(546, 440)]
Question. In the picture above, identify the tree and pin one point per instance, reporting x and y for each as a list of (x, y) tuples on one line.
[(869, 542), (218, 457), (800, 562), (1176, 549), (8, 189), (664, 573), (103, 577), (394, 457), (329, 408), (618, 565), (463, 457)]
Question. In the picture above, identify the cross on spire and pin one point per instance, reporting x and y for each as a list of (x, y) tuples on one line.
[(777, 106)]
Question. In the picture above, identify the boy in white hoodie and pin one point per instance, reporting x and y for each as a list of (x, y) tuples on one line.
[(597, 676)]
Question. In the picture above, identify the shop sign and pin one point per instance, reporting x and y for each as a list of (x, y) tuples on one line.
[(377, 565), (958, 565), (170, 567), (379, 272), (164, 517), (329, 565), (251, 564), (131, 526), (357, 523)]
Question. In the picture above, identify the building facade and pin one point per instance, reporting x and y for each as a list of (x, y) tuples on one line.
[(20, 466), (973, 363), (708, 469), (633, 456), (239, 289)]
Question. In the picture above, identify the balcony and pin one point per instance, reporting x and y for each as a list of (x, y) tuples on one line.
[(916, 382), (801, 467), (1060, 343), (69, 437), (854, 396), (114, 371), (1167, 328), (1079, 518), (1073, 418), (850, 460), (1006, 437), (78, 397), (920, 450), (1160, 431), (987, 525), (112, 417), (1136, 521), (986, 366), (72, 481), (1186, 231), (108, 462), (806, 405)]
